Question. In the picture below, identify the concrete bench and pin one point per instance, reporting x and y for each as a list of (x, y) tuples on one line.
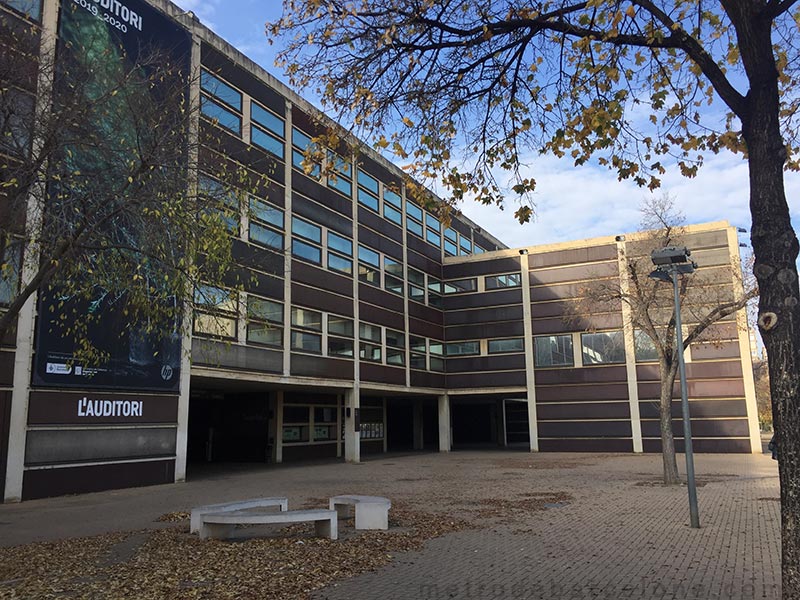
[(372, 512), (220, 525), (198, 512)]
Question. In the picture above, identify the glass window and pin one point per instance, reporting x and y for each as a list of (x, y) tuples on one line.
[(340, 347), (265, 212), (414, 227), (494, 282), (370, 352), (367, 199), (306, 251), (478, 249), (300, 139), (392, 198), (432, 222), (603, 348), (463, 348), (368, 182), (268, 142), (458, 286), (416, 277), (392, 266), (340, 244), (450, 248), (340, 326), (306, 230), (392, 214), (266, 236), (553, 351), (299, 161), (209, 296), (306, 342), (417, 344), (32, 8), (450, 234), (16, 121), (215, 325), (308, 319), (645, 347), (338, 263), (509, 345), (369, 275), (395, 339), (395, 357), (465, 244), (436, 348), (418, 361), (412, 210), (369, 256), (393, 284), (268, 119), (265, 310), (433, 238), (340, 165), (221, 115), (369, 332), (340, 184), (265, 333), (10, 272), (416, 293), (437, 364), (221, 90)]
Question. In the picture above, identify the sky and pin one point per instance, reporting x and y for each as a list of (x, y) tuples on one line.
[(572, 203)]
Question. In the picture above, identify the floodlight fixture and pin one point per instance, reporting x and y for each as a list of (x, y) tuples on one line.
[(670, 255)]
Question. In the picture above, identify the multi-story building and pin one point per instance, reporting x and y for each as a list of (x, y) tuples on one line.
[(365, 326)]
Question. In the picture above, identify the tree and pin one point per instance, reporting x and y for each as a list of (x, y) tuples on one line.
[(100, 193), (708, 296), (638, 85)]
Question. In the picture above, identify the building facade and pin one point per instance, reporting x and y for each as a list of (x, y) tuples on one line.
[(365, 325)]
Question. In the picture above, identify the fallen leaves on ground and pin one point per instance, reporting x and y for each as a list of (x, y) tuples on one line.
[(174, 517)]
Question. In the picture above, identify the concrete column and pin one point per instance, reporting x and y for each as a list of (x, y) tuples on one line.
[(530, 375), (504, 430), (352, 438), (287, 249), (278, 452), (339, 405), (419, 442), (445, 443)]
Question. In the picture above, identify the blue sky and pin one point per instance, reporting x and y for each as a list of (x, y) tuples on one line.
[(571, 203)]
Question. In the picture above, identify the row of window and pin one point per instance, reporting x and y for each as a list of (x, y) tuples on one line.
[(224, 105), (491, 282)]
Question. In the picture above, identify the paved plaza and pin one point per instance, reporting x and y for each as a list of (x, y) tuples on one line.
[(539, 525)]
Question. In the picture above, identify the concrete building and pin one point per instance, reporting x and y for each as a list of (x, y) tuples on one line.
[(367, 326)]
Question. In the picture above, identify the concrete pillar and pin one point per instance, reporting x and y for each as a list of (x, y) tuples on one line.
[(278, 451), (419, 442), (445, 442), (530, 374), (352, 438)]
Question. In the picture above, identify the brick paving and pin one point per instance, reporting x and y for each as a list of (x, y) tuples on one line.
[(611, 532)]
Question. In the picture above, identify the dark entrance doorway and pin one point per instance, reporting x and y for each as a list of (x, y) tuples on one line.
[(5, 419), (474, 423)]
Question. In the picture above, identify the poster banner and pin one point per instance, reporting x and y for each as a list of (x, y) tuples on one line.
[(99, 39)]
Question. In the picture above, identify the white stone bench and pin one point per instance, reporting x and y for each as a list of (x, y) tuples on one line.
[(372, 512), (198, 512), (220, 525)]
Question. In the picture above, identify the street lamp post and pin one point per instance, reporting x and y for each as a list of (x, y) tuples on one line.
[(671, 262)]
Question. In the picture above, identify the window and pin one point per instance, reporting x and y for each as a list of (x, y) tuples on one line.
[(395, 347), (369, 264), (221, 90), (434, 292), (16, 121), (478, 249), (340, 336), (450, 248), (645, 347), (432, 222), (494, 282), (413, 218), (436, 349), (370, 346), (340, 244), (433, 238), (509, 345), (222, 202), (368, 182), (466, 246), (367, 190), (306, 230), (219, 114), (305, 325), (459, 286), (10, 263), (553, 351), (301, 142), (306, 252), (267, 119), (393, 275), (296, 423), (390, 213), (450, 234), (603, 348), (264, 321), (392, 198), (416, 285), (463, 348), (340, 249), (266, 141), (266, 224), (419, 353), (340, 177), (312, 233), (215, 311), (32, 8), (367, 199)]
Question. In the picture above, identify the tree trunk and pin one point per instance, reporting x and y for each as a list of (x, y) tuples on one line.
[(667, 373), (775, 248)]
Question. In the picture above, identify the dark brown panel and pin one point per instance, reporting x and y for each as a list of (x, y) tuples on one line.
[(422, 247), (7, 368), (712, 351), (500, 362), (485, 267), (310, 188), (302, 272), (488, 397), (233, 356), (582, 375), (499, 298), (578, 273), (50, 408), (372, 446), (425, 313), (581, 393), (321, 215), (309, 398), (697, 389), (318, 366), (310, 452), (484, 315), (584, 410), (254, 256), (568, 257), (715, 446), (372, 167), (426, 329), (563, 291), (698, 409), (708, 370), (375, 222), (593, 429), (229, 145), (587, 323), (485, 330), (701, 428), (45, 483), (485, 380), (373, 314), (460, 226), (382, 374), (607, 445), (483, 241), (379, 297), (425, 379), (304, 121), (423, 263), (242, 79), (377, 241), (319, 300), (5, 421)]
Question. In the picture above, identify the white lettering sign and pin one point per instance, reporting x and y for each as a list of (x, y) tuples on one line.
[(112, 12), (109, 408)]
